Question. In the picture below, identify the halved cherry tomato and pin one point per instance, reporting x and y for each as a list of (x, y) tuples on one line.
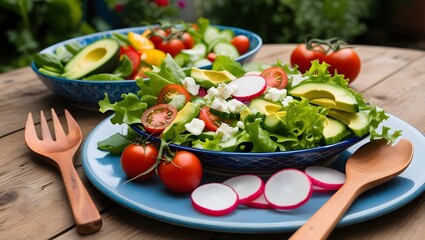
[(173, 46), (182, 174), (211, 56), (345, 61), (133, 55), (302, 56), (137, 159), (172, 90), (155, 119), (241, 43), (276, 77), (188, 40), (212, 121)]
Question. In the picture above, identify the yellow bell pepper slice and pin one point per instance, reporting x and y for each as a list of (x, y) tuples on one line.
[(140, 42), (152, 56)]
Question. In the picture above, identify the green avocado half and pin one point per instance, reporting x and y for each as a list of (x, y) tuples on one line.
[(101, 56)]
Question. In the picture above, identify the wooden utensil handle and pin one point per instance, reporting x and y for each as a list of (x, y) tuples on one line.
[(86, 216), (320, 225)]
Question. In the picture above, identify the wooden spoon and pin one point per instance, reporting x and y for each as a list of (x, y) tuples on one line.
[(372, 164)]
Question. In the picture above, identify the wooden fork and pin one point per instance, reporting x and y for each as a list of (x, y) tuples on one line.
[(60, 152)]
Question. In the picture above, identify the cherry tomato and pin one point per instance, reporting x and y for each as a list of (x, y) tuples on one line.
[(133, 55), (173, 46), (183, 174), (212, 121), (170, 91), (276, 77), (157, 37), (344, 61), (137, 159), (241, 43), (302, 56), (188, 40), (155, 119), (211, 56)]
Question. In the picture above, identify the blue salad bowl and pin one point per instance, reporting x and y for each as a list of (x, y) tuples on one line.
[(86, 94), (260, 162)]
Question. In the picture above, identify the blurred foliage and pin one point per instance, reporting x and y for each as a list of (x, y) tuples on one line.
[(29, 26), (291, 20)]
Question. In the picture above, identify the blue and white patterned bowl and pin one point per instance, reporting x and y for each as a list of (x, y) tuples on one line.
[(86, 94), (261, 162)]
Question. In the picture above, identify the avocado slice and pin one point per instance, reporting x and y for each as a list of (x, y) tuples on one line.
[(327, 95), (333, 131), (101, 56), (185, 115), (357, 122), (274, 121), (211, 78), (264, 107)]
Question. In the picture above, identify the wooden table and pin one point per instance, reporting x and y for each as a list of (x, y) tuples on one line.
[(33, 203)]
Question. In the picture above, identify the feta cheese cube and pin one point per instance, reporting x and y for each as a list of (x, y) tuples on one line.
[(196, 126), (220, 105), (225, 90), (287, 100), (275, 95), (191, 86), (235, 106), (226, 131)]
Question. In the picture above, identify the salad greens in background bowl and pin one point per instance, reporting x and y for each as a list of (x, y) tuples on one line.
[(257, 118), (83, 69)]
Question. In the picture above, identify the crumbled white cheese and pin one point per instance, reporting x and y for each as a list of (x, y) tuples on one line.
[(225, 90), (226, 131), (191, 86), (235, 106), (196, 126), (287, 100), (275, 95), (240, 125), (220, 105), (178, 101), (212, 92)]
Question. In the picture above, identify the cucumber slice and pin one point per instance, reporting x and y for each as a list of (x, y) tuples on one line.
[(181, 59), (202, 62), (210, 34), (198, 51), (227, 49), (227, 35), (225, 114), (214, 42)]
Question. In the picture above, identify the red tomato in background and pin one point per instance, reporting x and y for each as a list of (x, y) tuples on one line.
[(157, 37), (275, 77), (134, 57), (183, 174), (137, 159), (155, 119), (173, 46), (188, 40), (345, 61), (302, 56), (241, 43), (211, 56)]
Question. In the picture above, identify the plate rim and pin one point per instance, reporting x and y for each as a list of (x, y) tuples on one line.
[(257, 227)]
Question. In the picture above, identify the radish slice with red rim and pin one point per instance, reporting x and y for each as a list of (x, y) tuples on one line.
[(325, 177), (248, 87), (215, 199), (248, 187), (288, 189), (317, 189), (260, 202)]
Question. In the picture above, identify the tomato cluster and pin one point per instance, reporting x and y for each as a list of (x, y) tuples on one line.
[(180, 172), (341, 58)]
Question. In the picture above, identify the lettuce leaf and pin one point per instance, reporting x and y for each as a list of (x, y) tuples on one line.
[(128, 111)]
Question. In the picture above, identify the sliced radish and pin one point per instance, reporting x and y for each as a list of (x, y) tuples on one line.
[(248, 87), (320, 189), (260, 202), (325, 177), (288, 189), (215, 199), (248, 187)]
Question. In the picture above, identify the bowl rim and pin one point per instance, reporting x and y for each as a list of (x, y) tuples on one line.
[(346, 142), (51, 48)]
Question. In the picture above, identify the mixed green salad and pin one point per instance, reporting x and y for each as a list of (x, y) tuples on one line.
[(228, 108)]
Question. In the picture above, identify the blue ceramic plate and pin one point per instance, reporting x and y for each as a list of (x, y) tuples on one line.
[(151, 199)]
